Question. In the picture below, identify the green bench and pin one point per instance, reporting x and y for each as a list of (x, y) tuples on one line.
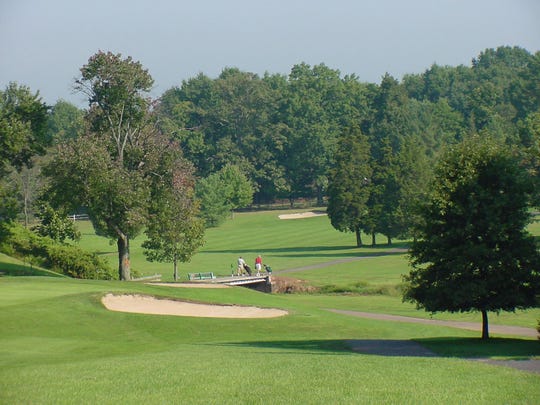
[(201, 276)]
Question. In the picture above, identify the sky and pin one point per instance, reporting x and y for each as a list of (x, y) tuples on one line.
[(44, 43)]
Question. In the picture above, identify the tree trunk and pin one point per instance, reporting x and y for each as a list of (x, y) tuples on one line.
[(373, 241), (320, 196), (485, 327), (389, 240), (124, 266), (358, 237), (175, 265)]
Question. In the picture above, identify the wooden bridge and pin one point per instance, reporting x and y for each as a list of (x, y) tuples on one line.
[(260, 283)]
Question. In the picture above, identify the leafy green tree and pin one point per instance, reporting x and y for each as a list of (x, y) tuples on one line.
[(222, 192), (23, 126), (174, 230), (349, 184), (56, 224), (314, 103), (118, 103), (390, 127), (474, 253), (525, 90), (214, 209), (530, 138), (83, 174), (116, 90), (66, 121), (238, 189), (23, 135), (229, 120), (113, 169)]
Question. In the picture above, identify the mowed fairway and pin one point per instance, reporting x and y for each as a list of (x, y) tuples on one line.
[(59, 345)]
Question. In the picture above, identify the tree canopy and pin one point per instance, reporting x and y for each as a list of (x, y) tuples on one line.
[(474, 252), (116, 170), (349, 184), (282, 132)]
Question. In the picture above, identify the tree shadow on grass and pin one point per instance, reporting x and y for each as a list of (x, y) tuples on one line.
[(376, 347), (314, 346), (515, 349), (317, 251), (466, 348)]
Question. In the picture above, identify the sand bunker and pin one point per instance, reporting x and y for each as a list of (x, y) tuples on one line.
[(301, 215), (150, 305)]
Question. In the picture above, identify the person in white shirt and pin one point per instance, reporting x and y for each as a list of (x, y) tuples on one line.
[(240, 268)]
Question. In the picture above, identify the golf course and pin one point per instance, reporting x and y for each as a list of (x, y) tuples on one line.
[(60, 344)]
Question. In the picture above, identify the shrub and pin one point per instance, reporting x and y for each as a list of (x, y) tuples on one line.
[(362, 288), (75, 262), (43, 251), (287, 285)]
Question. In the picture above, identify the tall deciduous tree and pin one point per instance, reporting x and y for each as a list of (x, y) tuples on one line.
[(315, 99), (66, 121), (119, 108), (174, 230), (474, 253), (23, 135), (114, 170), (222, 192), (23, 126), (349, 184)]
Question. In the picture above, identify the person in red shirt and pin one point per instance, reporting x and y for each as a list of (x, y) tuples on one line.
[(258, 264)]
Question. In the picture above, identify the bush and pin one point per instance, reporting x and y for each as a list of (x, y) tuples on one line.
[(70, 260), (75, 262), (285, 285), (362, 288)]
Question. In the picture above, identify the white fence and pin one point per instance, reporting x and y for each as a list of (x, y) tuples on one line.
[(79, 217)]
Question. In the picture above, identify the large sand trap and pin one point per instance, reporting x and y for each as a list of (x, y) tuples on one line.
[(150, 305), (301, 215)]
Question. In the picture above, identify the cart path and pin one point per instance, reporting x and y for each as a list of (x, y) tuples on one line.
[(409, 348), (501, 329), (339, 261)]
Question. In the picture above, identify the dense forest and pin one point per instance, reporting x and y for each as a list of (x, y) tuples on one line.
[(301, 135)]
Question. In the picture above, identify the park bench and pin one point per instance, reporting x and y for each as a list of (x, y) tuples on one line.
[(201, 276)]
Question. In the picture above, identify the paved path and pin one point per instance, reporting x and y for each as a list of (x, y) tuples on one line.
[(382, 347)]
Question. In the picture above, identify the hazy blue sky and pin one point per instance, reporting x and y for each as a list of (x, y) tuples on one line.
[(43, 43)]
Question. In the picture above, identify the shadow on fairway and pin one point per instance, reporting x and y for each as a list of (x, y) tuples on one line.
[(466, 348), (314, 346), (376, 347), (514, 349), (320, 251)]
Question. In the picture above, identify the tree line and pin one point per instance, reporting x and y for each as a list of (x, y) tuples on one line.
[(367, 149)]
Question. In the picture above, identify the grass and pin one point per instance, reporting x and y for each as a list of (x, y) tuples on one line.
[(283, 244), (14, 267), (59, 345)]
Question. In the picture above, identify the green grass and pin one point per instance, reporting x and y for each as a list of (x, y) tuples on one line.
[(283, 244), (59, 345), (14, 267)]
